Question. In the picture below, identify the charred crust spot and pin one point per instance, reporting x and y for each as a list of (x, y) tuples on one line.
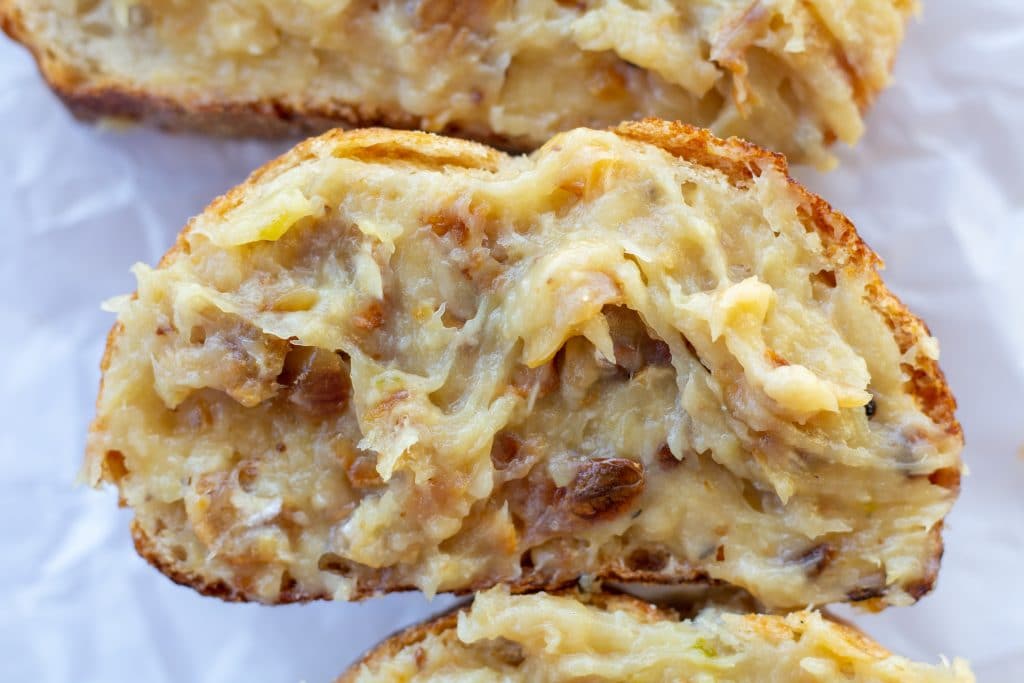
[(947, 478), (605, 488), (720, 554), (647, 560), (280, 448), (870, 408)]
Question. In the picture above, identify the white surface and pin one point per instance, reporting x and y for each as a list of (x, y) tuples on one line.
[(935, 187)]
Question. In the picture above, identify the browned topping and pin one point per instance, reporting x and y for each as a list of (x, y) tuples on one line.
[(420, 658), (775, 359), (720, 553), (604, 488), (318, 380)]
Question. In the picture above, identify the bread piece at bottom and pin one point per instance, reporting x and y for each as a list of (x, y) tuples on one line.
[(572, 636)]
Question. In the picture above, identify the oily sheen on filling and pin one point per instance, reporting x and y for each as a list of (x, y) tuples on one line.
[(548, 638), (792, 76), (380, 369)]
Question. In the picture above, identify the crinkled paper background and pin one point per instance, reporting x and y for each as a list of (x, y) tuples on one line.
[(936, 187)]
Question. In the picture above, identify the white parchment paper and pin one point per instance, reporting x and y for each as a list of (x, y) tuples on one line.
[(936, 187)]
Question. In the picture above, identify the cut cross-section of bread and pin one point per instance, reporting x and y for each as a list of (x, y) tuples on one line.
[(792, 76), (394, 360), (547, 638)]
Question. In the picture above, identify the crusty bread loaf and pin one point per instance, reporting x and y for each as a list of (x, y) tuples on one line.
[(394, 360), (544, 638), (792, 76)]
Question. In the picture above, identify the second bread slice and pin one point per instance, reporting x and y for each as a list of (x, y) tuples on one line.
[(596, 637)]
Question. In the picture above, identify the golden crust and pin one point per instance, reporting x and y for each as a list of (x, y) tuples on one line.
[(740, 161)]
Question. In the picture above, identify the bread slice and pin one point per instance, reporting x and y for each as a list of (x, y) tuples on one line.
[(393, 360), (609, 637), (792, 76)]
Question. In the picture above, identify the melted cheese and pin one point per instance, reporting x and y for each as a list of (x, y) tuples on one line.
[(445, 376), (792, 76)]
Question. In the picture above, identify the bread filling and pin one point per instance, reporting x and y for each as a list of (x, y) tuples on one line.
[(792, 76), (547, 638), (386, 365)]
